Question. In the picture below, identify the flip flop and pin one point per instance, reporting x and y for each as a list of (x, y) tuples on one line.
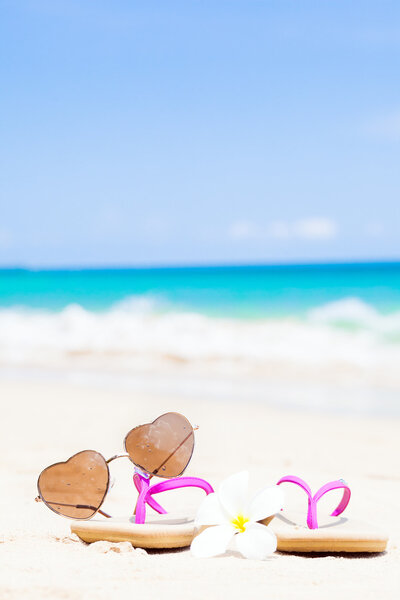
[(336, 534), (157, 531)]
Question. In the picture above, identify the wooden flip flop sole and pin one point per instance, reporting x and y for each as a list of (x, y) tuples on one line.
[(338, 534), (159, 531)]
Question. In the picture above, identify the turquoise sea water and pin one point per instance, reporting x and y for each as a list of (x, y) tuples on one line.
[(316, 323), (236, 292)]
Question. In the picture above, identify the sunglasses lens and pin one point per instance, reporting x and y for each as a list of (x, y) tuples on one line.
[(164, 447), (77, 487)]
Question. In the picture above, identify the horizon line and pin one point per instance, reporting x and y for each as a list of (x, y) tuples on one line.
[(197, 265)]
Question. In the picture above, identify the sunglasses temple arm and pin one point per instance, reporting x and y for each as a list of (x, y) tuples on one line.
[(89, 507)]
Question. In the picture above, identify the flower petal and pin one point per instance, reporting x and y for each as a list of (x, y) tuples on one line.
[(266, 503), (211, 512), (212, 541), (233, 493), (257, 542)]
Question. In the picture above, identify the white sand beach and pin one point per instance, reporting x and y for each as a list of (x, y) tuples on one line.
[(46, 421), (199, 214)]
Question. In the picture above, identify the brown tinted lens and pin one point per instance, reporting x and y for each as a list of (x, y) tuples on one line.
[(164, 447), (75, 488)]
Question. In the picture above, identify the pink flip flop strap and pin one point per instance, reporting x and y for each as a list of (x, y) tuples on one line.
[(312, 521), (146, 492)]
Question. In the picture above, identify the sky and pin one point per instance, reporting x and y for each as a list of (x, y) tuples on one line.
[(198, 132)]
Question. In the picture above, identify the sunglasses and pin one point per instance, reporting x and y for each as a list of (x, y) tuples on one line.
[(78, 487)]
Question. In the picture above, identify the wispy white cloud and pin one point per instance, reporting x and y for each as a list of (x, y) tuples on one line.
[(315, 228), (312, 228)]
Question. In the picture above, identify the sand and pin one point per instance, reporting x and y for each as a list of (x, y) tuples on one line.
[(43, 422)]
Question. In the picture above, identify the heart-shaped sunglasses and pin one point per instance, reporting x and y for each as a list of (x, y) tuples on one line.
[(78, 487)]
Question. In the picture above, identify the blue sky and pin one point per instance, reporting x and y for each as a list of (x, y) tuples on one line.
[(199, 131)]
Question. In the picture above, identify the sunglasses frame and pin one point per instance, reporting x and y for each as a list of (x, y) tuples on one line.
[(40, 498)]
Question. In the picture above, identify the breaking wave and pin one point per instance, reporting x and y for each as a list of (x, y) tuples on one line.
[(140, 333)]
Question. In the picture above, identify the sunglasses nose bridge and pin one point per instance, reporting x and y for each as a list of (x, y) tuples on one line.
[(117, 456)]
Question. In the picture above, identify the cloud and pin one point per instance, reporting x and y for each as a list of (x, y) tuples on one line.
[(317, 228), (312, 228), (385, 127)]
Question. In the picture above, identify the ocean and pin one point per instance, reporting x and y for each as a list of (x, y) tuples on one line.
[(245, 292), (325, 322)]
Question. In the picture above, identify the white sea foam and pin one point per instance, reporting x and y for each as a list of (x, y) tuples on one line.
[(355, 314), (339, 338)]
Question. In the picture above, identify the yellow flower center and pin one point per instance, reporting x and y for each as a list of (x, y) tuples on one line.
[(239, 523)]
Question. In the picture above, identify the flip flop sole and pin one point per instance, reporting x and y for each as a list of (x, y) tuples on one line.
[(174, 531), (160, 531), (336, 535)]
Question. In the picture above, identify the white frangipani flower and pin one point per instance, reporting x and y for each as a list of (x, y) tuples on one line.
[(232, 516)]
